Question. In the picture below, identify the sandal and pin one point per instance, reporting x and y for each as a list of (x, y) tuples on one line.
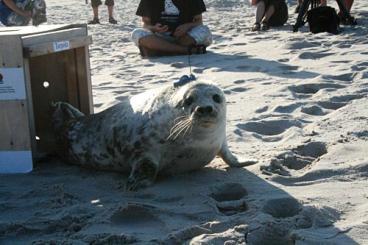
[(265, 26), (112, 21), (94, 21), (256, 27)]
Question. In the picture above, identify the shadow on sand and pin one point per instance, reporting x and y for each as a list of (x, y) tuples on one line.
[(230, 63), (63, 203)]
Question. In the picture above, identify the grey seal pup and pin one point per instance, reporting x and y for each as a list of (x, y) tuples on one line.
[(169, 130)]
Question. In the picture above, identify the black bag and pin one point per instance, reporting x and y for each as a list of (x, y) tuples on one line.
[(323, 19)]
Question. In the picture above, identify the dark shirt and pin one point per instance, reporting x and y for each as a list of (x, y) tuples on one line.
[(154, 9)]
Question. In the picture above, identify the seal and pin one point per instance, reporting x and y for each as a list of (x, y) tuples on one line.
[(169, 130)]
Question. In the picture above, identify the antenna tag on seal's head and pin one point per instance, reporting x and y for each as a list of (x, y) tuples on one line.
[(184, 80)]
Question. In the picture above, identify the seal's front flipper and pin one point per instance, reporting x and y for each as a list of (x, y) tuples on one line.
[(143, 174), (232, 160)]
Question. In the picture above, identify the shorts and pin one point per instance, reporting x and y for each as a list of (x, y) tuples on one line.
[(96, 3), (281, 15), (201, 34)]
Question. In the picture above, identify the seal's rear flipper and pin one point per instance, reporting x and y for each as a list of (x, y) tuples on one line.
[(62, 113), (232, 160)]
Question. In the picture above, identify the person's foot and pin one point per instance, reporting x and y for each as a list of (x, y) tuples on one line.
[(112, 21), (265, 26), (256, 27), (197, 49), (94, 21)]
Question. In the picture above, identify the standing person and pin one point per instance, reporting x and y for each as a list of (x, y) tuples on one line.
[(171, 27), (269, 13), (110, 9)]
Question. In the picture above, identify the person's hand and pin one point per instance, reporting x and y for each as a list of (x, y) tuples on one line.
[(160, 28), (181, 30), (27, 14)]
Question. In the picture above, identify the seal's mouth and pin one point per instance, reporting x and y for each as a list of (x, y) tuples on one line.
[(206, 121)]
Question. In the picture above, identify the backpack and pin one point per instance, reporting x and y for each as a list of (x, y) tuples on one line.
[(323, 19)]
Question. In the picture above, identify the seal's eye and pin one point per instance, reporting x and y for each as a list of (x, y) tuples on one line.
[(188, 101), (217, 98)]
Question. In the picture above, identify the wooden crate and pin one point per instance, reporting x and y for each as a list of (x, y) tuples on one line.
[(39, 65)]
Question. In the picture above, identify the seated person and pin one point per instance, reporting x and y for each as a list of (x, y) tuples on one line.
[(171, 27), (269, 13), (20, 12)]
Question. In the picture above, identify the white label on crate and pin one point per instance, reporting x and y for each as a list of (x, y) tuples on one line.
[(62, 45), (12, 162), (12, 85)]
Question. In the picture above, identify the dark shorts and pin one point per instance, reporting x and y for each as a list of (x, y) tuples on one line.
[(96, 3), (281, 15)]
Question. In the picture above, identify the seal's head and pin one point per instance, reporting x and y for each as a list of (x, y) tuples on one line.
[(202, 110), (205, 104)]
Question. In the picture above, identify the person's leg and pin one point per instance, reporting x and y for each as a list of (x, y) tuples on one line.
[(261, 9), (151, 44), (298, 6), (348, 5), (269, 12), (95, 4), (110, 9), (186, 41), (95, 12), (200, 35)]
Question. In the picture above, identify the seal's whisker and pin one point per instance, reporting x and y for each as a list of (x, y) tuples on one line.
[(183, 129), (188, 129), (177, 125), (179, 118), (178, 128)]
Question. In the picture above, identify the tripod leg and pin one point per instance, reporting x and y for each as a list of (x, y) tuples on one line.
[(345, 13), (302, 11)]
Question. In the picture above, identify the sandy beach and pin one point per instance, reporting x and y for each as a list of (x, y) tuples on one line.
[(296, 102)]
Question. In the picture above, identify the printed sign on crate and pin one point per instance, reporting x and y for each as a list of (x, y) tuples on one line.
[(12, 84)]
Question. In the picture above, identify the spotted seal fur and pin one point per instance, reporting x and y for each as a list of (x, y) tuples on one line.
[(169, 130)]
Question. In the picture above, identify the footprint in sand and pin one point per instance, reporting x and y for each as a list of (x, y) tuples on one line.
[(331, 105), (312, 88), (347, 98), (295, 159), (262, 109), (347, 77), (360, 66), (287, 108), (179, 65), (337, 102), (314, 110), (269, 127), (282, 207), (229, 198), (236, 90), (270, 233), (313, 55), (199, 70), (239, 81), (135, 217)]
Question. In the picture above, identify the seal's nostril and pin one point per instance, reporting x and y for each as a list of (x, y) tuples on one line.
[(204, 110), (209, 109)]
